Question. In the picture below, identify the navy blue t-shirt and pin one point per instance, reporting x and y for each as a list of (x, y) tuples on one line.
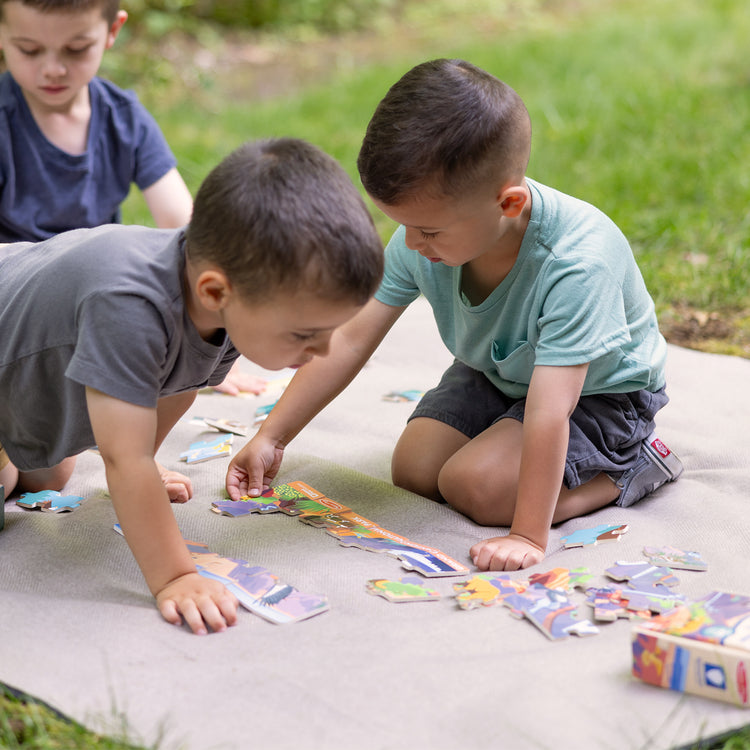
[(45, 191)]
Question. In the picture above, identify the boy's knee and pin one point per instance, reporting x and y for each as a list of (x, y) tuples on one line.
[(54, 478), (411, 477), (487, 503)]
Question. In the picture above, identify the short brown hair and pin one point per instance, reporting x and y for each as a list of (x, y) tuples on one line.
[(444, 127), (109, 7), (281, 213)]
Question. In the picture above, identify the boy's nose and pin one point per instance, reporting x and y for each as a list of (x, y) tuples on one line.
[(53, 67), (320, 348), (414, 239)]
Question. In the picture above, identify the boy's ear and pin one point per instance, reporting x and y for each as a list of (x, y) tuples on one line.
[(212, 288), (115, 28), (511, 200)]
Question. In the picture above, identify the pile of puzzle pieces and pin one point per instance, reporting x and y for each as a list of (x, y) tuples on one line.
[(543, 598)]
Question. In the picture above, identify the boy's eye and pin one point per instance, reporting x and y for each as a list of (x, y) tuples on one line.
[(303, 336), (428, 235), (79, 50)]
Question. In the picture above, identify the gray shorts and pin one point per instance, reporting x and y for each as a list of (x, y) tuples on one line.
[(605, 430)]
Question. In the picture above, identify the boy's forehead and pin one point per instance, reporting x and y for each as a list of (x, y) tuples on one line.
[(424, 212)]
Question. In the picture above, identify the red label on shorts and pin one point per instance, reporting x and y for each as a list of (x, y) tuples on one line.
[(660, 448), (742, 681)]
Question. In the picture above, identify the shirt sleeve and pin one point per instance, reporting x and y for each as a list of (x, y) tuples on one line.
[(120, 348), (583, 313), (153, 157), (399, 286)]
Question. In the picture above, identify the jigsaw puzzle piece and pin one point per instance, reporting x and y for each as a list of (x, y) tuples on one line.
[(49, 501), (609, 604), (227, 425), (667, 556), (242, 507), (642, 575), (256, 588), (604, 532), (486, 590), (407, 589), (217, 446), (563, 579), (551, 611)]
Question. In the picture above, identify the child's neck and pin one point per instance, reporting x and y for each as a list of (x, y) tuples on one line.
[(66, 127), (481, 276)]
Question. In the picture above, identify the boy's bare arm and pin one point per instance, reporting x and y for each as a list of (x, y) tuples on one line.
[(553, 395), (169, 201), (126, 436), (311, 389)]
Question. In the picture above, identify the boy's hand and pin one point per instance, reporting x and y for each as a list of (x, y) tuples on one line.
[(179, 487), (252, 469), (237, 381), (511, 552), (200, 601)]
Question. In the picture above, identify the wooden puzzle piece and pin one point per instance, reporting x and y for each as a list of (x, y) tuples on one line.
[(262, 412), (49, 501), (667, 556), (563, 579), (401, 396), (227, 425), (299, 499), (551, 611), (353, 530), (256, 588), (486, 590), (407, 589), (648, 586), (609, 604), (604, 532), (242, 507), (293, 499), (642, 575), (214, 447)]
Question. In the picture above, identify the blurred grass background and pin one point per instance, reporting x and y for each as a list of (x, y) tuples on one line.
[(640, 107)]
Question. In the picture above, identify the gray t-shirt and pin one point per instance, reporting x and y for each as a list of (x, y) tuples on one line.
[(102, 308)]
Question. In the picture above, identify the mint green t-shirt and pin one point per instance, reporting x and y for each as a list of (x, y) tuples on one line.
[(575, 295)]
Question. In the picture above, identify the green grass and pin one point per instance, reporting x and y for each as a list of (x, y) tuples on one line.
[(641, 107), (34, 726)]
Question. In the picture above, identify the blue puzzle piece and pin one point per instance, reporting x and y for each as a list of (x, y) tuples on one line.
[(49, 501)]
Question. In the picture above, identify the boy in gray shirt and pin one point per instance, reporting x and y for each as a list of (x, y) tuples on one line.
[(280, 251)]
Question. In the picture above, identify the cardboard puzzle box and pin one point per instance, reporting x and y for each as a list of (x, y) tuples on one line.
[(702, 648)]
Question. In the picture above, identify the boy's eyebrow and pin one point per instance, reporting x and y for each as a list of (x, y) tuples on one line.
[(83, 36), (428, 230)]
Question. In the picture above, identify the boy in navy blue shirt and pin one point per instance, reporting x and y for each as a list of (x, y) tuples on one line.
[(71, 143)]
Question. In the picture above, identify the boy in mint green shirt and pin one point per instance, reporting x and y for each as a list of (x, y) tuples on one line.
[(547, 412)]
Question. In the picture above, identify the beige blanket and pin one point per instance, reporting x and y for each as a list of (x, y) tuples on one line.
[(80, 631)]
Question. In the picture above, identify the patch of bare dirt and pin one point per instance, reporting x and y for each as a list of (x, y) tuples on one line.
[(725, 332)]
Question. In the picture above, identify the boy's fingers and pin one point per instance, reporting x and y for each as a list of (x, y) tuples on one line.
[(193, 617), (228, 607), (169, 612)]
